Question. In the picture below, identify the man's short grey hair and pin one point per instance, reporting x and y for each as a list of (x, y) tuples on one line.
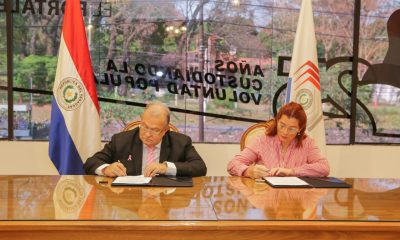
[(163, 106)]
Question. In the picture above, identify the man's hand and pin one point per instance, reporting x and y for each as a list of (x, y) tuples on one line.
[(153, 168), (116, 169), (281, 172), (256, 171)]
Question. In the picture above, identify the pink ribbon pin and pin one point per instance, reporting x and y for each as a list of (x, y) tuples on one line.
[(130, 157)]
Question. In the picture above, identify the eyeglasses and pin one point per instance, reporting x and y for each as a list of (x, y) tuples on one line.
[(291, 130), (152, 131)]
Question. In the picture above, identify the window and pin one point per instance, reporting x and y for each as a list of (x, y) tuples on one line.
[(379, 93), (219, 66)]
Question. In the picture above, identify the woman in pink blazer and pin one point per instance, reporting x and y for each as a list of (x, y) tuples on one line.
[(284, 150)]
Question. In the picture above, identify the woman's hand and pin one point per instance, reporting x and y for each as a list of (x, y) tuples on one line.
[(256, 171), (281, 172)]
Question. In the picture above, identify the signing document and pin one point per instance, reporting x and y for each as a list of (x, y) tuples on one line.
[(134, 180), (286, 182)]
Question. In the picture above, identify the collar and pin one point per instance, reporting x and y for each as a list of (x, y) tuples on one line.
[(158, 146), (277, 142)]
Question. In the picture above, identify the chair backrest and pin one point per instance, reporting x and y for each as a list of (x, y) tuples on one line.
[(136, 124), (254, 131)]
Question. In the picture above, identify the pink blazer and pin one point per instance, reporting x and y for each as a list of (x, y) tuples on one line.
[(305, 161)]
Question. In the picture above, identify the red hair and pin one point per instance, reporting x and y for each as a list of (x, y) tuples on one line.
[(291, 110)]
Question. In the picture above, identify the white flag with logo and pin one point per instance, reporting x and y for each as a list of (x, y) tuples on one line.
[(304, 83)]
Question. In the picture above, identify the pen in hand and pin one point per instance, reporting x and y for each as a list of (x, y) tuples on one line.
[(124, 168), (260, 171)]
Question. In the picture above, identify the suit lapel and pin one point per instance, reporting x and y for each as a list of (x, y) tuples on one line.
[(137, 154), (165, 148)]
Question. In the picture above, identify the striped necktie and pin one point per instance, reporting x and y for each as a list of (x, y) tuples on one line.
[(150, 155)]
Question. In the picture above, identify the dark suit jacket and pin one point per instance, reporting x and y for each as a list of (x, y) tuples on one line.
[(175, 147)]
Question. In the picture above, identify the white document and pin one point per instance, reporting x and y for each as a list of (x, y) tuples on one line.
[(286, 181), (132, 180)]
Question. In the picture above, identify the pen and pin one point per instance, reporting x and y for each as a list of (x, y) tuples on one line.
[(121, 163), (124, 166)]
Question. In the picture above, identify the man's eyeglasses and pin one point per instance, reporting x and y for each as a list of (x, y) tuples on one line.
[(291, 130), (150, 130)]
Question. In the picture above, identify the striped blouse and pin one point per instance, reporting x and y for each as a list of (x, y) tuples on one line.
[(266, 150)]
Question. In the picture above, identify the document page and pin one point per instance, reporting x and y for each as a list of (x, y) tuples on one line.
[(132, 180), (286, 181)]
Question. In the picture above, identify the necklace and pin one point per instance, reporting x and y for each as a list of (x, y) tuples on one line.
[(282, 158), (284, 150)]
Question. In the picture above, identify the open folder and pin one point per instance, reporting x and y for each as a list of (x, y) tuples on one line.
[(306, 182), (157, 181)]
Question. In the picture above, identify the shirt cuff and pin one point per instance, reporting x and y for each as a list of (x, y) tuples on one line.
[(99, 170), (171, 169), (241, 170)]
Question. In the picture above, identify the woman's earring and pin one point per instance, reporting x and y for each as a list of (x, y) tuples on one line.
[(298, 134)]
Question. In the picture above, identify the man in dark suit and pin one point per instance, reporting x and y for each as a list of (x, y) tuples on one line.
[(149, 149)]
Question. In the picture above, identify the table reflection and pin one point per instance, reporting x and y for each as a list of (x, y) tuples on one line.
[(85, 198), (226, 200), (73, 198), (139, 203), (211, 198), (28, 197), (276, 203), (368, 199)]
